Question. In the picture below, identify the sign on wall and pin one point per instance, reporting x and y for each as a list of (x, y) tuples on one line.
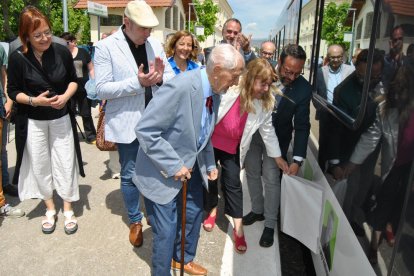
[(97, 9)]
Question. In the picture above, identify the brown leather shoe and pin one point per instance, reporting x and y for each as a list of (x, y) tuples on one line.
[(191, 268), (135, 234)]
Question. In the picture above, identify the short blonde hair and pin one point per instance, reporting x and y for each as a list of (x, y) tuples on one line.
[(261, 69)]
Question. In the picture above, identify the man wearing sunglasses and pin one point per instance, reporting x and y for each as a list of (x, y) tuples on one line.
[(232, 35)]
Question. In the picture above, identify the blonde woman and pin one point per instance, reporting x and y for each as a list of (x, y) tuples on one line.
[(243, 110)]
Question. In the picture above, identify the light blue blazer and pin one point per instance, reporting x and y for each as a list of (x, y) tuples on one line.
[(168, 133), (116, 74)]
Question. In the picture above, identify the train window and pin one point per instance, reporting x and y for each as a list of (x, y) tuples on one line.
[(395, 95), (339, 83), (364, 97)]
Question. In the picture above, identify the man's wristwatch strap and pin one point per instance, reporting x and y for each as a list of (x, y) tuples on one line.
[(300, 163)]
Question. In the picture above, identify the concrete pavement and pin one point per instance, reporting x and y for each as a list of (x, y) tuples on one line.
[(101, 245)]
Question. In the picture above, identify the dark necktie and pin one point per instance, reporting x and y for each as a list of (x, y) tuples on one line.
[(209, 104), (148, 95)]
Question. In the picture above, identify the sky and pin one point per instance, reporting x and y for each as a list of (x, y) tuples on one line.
[(258, 17)]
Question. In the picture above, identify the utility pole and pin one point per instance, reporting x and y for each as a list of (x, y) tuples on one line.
[(353, 34), (65, 16), (189, 16)]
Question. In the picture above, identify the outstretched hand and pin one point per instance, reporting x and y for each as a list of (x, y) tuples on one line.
[(282, 164), (154, 75), (348, 169), (243, 42)]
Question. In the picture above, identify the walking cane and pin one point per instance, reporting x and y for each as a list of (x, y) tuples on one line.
[(183, 218)]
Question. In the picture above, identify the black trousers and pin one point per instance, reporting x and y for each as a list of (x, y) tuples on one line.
[(326, 122), (84, 108), (230, 185), (390, 198)]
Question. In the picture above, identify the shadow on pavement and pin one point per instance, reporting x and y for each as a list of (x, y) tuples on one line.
[(77, 206), (115, 203), (145, 251)]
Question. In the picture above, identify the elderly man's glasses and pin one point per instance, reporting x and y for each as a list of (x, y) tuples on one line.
[(395, 40), (290, 73), (267, 53), (335, 57), (39, 36)]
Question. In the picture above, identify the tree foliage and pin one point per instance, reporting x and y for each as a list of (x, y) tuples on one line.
[(78, 20), (333, 27), (207, 17)]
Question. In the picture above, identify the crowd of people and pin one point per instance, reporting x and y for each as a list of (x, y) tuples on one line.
[(386, 127), (175, 121)]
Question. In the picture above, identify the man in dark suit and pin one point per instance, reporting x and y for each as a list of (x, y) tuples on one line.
[(291, 114), (347, 97), (232, 35), (292, 110)]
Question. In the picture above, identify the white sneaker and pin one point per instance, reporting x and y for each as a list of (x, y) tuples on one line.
[(9, 211), (116, 175)]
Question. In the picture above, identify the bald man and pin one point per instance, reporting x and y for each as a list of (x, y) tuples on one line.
[(267, 51), (329, 76)]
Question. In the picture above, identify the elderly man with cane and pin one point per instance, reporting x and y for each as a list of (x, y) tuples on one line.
[(174, 136)]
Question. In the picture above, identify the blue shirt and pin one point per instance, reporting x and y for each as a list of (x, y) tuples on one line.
[(334, 79), (190, 65), (206, 117)]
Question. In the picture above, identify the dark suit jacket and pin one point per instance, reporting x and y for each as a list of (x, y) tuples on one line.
[(347, 97), (293, 115)]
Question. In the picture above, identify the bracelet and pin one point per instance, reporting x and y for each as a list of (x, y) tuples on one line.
[(31, 101)]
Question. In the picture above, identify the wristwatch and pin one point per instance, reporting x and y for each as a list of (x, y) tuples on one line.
[(300, 163)]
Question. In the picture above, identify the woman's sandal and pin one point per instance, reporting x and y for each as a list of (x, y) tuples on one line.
[(240, 245), (210, 220), (71, 224), (49, 222)]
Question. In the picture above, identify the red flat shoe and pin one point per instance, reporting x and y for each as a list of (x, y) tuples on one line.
[(240, 245), (389, 236), (210, 220)]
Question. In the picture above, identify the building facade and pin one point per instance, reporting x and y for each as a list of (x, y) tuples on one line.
[(172, 15)]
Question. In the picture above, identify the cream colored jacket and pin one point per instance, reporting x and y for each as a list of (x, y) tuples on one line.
[(261, 120)]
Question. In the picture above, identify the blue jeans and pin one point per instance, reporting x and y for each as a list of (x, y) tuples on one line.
[(166, 226), (130, 192)]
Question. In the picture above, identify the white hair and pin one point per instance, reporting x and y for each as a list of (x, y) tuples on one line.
[(225, 55)]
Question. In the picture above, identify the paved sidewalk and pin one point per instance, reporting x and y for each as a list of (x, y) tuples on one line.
[(101, 245)]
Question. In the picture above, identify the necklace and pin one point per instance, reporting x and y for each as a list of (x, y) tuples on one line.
[(38, 56)]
